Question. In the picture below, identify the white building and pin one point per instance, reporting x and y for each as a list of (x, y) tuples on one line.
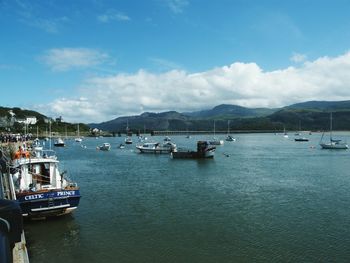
[(28, 120)]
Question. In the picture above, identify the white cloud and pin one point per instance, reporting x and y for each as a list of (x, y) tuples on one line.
[(297, 58), (177, 6), (112, 15), (63, 59), (244, 84)]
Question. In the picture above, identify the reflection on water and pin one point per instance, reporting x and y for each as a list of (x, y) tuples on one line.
[(262, 198)]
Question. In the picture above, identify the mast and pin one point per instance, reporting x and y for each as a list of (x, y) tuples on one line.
[(50, 133), (331, 127)]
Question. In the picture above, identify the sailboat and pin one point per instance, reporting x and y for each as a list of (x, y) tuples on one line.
[(229, 137), (128, 139), (298, 137), (333, 143), (78, 139), (285, 133), (215, 140)]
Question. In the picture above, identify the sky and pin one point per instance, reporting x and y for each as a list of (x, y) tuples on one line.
[(96, 60)]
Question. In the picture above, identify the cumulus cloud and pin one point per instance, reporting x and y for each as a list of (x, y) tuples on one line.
[(296, 57), (112, 15), (244, 84), (63, 59)]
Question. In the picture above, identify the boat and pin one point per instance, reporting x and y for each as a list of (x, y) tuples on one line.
[(121, 146), (216, 141), (156, 147), (59, 142), (285, 134), (229, 137), (301, 139), (335, 144), (104, 147), (204, 150), (167, 139), (128, 140), (42, 190), (78, 139)]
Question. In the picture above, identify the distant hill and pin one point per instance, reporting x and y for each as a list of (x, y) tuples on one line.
[(311, 115), (321, 106), (231, 111), (21, 113), (7, 121)]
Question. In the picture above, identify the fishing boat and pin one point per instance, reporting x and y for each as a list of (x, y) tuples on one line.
[(204, 150), (59, 142), (41, 189), (156, 147), (335, 144), (104, 147)]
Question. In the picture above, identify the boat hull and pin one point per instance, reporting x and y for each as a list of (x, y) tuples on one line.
[(47, 204), (301, 139), (334, 146), (154, 151), (192, 155)]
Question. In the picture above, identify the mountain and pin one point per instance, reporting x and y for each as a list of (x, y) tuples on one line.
[(311, 115), (151, 121), (231, 111), (321, 106)]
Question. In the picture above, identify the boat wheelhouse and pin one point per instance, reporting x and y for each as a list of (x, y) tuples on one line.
[(41, 189)]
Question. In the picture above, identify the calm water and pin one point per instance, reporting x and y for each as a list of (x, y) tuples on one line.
[(271, 200)]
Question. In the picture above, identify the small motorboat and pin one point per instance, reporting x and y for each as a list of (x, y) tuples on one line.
[(59, 143), (104, 147), (156, 147)]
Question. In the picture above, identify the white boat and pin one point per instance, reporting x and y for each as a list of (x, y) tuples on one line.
[(59, 142), (229, 137), (128, 140), (41, 189), (105, 146), (78, 139), (167, 139), (216, 141), (335, 144), (156, 147)]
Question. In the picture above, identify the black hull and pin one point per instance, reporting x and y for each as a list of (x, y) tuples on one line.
[(48, 204)]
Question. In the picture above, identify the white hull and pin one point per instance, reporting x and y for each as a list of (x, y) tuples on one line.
[(336, 146)]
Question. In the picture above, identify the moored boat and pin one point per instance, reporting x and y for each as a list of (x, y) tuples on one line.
[(301, 139), (41, 189), (156, 147), (333, 144), (128, 140), (59, 142), (105, 146), (204, 150)]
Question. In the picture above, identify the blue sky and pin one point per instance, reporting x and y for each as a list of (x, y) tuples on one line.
[(96, 60)]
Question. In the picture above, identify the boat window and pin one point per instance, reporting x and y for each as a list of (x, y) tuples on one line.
[(45, 173)]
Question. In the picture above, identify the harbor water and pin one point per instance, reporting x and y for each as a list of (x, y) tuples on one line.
[(263, 198)]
